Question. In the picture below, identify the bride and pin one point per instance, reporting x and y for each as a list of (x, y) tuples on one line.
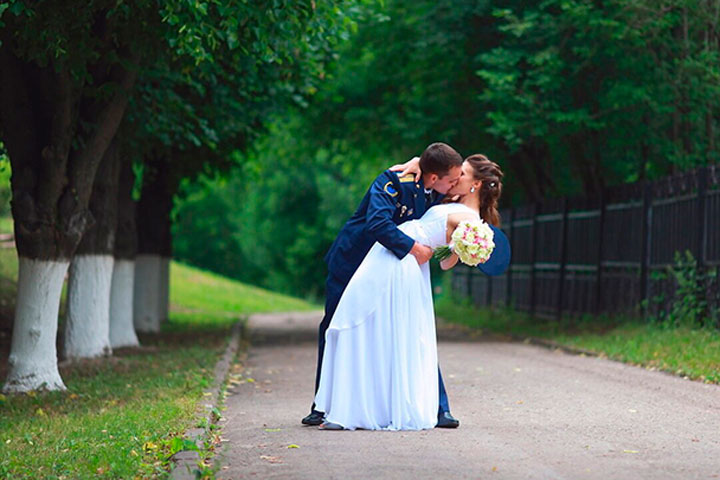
[(379, 369)]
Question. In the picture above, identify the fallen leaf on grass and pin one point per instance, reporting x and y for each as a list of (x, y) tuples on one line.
[(251, 380), (292, 445), (271, 459), (631, 451), (149, 446), (494, 469), (273, 429)]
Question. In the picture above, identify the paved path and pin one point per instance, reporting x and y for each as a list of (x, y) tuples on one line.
[(526, 413)]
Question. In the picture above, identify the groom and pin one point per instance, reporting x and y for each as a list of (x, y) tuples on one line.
[(390, 201)]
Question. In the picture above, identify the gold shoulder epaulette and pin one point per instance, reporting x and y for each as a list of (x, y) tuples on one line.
[(407, 178)]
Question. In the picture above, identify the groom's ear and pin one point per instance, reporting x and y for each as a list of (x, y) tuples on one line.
[(432, 178)]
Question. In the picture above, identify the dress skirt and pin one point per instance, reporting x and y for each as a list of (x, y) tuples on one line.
[(379, 369)]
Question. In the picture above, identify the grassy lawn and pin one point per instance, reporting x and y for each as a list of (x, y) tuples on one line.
[(694, 353), (118, 418), (122, 417), (194, 291)]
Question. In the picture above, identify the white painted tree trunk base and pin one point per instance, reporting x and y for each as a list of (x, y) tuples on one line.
[(33, 355), (122, 330), (147, 294), (87, 326)]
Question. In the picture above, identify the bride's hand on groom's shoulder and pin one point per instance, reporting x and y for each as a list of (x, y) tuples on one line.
[(412, 166)]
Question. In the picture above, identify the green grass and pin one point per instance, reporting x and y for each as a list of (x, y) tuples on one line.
[(117, 419), (122, 417), (6, 225), (694, 353), (193, 291)]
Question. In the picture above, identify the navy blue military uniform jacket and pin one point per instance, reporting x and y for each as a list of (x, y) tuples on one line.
[(390, 201)]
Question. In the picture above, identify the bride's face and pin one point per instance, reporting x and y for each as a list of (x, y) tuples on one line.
[(466, 181)]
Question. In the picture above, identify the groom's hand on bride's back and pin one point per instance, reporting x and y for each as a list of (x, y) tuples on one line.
[(422, 253), (412, 166)]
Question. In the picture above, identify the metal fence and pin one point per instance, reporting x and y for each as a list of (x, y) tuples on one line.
[(574, 256)]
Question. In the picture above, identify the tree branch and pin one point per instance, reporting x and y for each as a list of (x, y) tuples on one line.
[(54, 156), (84, 164)]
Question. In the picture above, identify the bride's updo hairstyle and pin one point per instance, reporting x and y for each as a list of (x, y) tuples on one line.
[(491, 176)]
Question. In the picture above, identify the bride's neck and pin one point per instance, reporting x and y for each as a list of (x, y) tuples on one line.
[(472, 201)]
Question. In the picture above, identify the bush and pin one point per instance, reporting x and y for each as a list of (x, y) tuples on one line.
[(692, 301)]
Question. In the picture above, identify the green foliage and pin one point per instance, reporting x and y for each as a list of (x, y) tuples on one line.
[(204, 233), (598, 86), (234, 64), (405, 80), (689, 304), (271, 221)]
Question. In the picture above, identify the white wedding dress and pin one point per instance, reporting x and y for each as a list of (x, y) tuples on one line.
[(380, 367)]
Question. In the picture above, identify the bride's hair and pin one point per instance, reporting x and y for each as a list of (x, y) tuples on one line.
[(491, 176)]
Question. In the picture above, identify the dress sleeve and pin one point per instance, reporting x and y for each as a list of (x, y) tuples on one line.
[(385, 195)]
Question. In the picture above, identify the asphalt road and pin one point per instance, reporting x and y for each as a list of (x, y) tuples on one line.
[(526, 412)]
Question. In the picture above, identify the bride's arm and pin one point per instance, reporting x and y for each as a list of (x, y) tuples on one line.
[(449, 262), (452, 222), (412, 166)]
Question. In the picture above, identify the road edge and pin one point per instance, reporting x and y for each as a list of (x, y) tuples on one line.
[(185, 462)]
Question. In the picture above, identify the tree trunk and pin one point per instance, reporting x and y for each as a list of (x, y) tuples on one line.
[(33, 355), (87, 325), (122, 330), (51, 185), (154, 246)]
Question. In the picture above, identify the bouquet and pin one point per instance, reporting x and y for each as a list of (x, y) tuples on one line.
[(472, 241)]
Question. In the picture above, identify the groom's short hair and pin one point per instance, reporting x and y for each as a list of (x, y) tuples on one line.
[(439, 158)]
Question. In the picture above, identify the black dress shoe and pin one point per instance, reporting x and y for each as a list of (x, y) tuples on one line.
[(315, 418), (446, 420)]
